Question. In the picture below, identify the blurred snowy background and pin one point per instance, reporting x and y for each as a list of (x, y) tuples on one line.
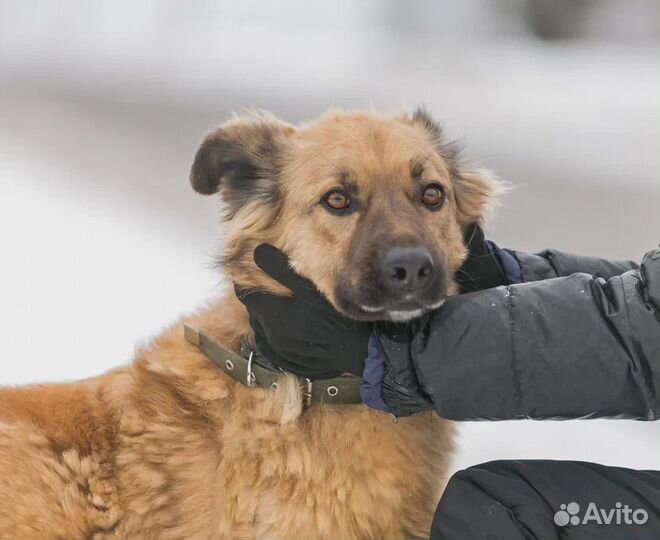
[(102, 104)]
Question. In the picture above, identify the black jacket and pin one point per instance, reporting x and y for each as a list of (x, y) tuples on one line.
[(580, 338), (582, 341), (549, 500)]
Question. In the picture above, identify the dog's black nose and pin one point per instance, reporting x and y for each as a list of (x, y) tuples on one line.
[(407, 269)]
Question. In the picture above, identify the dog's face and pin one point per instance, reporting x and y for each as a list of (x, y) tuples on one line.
[(371, 209)]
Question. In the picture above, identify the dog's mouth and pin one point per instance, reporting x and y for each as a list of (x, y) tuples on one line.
[(399, 314), (404, 311), (376, 303), (399, 286)]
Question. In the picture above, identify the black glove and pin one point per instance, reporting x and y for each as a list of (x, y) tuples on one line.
[(482, 269), (303, 333)]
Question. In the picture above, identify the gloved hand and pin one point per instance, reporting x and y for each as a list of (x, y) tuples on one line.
[(483, 268), (303, 334)]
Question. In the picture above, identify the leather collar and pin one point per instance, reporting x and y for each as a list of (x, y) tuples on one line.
[(254, 370)]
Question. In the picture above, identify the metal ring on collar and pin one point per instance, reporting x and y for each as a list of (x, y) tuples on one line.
[(250, 375)]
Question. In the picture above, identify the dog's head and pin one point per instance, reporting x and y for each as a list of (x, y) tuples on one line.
[(371, 209)]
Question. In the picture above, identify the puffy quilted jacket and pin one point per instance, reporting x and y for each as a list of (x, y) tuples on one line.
[(579, 338)]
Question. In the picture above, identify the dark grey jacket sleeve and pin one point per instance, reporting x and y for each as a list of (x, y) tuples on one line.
[(549, 500), (552, 263), (586, 345)]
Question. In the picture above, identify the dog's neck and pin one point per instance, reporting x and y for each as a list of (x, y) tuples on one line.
[(252, 370)]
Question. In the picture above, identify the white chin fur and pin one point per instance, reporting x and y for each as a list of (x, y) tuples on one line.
[(370, 309), (404, 316), (437, 305)]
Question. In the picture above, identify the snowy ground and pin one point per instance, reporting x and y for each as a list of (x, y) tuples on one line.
[(102, 242)]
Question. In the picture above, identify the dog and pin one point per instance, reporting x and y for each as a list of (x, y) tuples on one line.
[(372, 209)]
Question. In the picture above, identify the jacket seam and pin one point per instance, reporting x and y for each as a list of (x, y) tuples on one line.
[(646, 370), (645, 285), (514, 360)]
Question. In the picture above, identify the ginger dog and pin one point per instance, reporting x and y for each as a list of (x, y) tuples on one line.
[(372, 209)]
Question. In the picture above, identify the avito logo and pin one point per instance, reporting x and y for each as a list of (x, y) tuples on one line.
[(569, 514)]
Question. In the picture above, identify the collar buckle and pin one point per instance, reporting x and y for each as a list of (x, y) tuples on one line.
[(307, 386), (250, 377)]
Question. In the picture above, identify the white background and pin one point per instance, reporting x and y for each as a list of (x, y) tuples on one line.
[(102, 104)]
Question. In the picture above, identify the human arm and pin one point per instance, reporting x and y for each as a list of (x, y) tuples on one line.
[(569, 347)]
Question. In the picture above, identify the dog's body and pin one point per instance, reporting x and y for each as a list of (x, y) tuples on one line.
[(172, 448)]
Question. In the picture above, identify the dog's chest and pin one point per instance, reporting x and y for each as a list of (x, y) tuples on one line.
[(223, 461), (336, 472)]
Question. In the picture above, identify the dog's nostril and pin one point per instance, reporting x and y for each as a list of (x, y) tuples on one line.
[(399, 273), (407, 269)]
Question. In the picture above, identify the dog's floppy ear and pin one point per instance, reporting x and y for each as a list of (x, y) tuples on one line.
[(477, 190), (242, 160)]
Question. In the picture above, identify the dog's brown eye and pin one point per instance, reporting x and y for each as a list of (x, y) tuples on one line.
[(433, 196), (337, 200)]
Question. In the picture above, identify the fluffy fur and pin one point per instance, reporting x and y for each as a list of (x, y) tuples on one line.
[(170, 448)]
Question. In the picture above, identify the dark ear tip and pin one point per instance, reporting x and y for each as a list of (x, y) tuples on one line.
[(420, 112), (205, 172), (201, 184), (423, 118)]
